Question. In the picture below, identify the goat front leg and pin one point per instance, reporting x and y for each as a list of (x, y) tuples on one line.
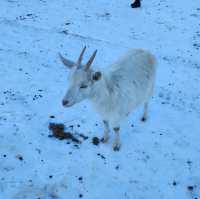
[(116, 145), (144, 117), (106, 131)]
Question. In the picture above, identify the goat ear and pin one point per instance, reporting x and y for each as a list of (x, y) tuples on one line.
[(66, 62), (96, 76)]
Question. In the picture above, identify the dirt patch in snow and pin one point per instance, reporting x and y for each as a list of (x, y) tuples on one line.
[(95, 141), (58, 131)]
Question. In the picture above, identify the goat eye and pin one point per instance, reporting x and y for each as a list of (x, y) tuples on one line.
[(83, 86)]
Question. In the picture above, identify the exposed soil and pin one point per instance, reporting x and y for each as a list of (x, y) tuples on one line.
[(19, 157), (190, 188), (58, 131), (95, 141), (83, 136)]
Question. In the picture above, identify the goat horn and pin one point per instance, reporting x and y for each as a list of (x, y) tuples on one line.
[(81, 56), (91, 59)]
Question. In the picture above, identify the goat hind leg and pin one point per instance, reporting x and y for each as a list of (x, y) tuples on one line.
[(144, 116), (106, 131), (116, 145)]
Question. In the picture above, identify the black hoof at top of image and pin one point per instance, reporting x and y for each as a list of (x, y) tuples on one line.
[(136, 4)]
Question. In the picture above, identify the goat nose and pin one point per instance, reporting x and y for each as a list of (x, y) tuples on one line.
[(65, 102)]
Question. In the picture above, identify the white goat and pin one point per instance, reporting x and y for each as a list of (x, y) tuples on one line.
[(126, 84)]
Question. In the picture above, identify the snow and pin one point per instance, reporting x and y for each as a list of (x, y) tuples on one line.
[(158, 159)]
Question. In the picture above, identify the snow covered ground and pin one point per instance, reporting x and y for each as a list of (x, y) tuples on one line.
[(159, 159)]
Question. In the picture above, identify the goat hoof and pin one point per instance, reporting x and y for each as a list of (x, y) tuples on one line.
[(116, 148), (143, 119), (104, 140), (136, 4)]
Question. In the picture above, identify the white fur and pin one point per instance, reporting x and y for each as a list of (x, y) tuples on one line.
[(127, 84)]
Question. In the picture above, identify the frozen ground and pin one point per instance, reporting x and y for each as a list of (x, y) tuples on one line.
[(159, 159)]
